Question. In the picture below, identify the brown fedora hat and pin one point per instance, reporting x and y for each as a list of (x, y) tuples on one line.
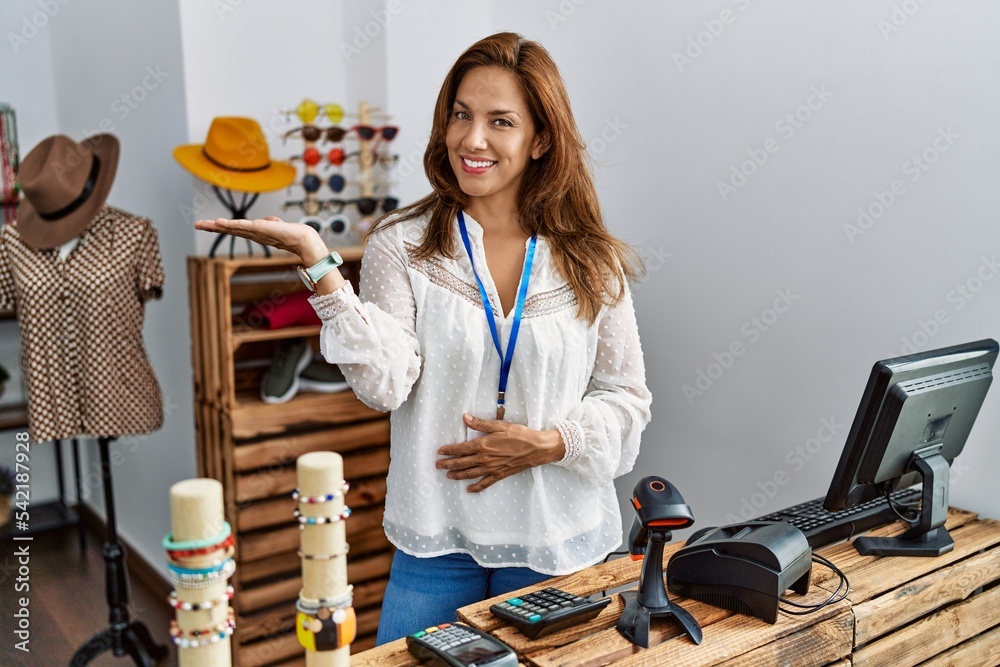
[(64, 184)]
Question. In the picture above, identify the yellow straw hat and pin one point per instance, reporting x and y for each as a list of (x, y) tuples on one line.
[(235, 156)]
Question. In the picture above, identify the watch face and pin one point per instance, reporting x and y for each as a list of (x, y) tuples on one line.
[(307, 281)]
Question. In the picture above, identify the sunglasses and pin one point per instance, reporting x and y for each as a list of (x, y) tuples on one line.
[(337, 157), (367, 132), (366, 205), (337, 226), (312, 182), (333, 133), (308, 111)]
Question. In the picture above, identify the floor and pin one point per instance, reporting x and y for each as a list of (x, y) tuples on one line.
[(67, 602)]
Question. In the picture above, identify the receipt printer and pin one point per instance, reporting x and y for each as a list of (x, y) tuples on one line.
[(745, 567)]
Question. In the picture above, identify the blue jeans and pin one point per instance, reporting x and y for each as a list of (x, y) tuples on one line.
[(426, 591)]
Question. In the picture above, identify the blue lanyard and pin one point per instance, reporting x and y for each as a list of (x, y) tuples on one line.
[(505, 359)]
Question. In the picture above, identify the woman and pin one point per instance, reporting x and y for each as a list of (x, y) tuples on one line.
[(495, 484)]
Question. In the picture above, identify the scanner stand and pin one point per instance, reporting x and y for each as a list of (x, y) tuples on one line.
[(650, 600)]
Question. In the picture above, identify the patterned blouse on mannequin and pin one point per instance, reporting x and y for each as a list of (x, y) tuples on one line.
[(85, 364)]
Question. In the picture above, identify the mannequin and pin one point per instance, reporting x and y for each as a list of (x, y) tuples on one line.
[(78, 272)]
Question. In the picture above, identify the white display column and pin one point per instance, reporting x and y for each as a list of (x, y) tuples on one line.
[(325, 624), (200, 550)]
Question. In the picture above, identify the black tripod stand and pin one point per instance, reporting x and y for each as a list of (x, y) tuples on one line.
[(122, 636)]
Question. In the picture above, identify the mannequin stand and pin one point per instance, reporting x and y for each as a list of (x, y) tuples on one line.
[(123, 636)]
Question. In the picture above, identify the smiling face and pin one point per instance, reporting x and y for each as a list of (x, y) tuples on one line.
[(491, 136)]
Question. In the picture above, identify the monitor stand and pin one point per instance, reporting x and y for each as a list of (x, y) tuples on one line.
[(929, 537)]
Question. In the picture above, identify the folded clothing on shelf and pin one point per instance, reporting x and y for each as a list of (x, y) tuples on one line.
[(281, 311)]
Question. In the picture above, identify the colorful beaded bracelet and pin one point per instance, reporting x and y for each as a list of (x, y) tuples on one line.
[(192, 571), (199, 606), (230, 622), (182, 642), (347, 549), (311, 606), (314, 520), (203, 580), (215, 564), (170, 545), (174, 554), (321, 499)]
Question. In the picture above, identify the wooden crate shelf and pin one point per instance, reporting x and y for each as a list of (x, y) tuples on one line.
[(251, 447)]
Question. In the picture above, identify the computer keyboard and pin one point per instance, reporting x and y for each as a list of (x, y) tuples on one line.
[(822, 527)]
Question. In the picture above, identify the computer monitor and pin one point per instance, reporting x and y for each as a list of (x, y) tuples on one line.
[(913, 420)]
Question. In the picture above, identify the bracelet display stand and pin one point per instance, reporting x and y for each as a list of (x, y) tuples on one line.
[(327, 632), (204, 624), (123, 636)]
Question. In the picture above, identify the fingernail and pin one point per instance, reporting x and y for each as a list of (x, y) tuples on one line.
[(467, 417)]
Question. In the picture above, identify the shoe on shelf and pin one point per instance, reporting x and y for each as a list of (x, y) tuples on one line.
[(323, 378), (281, 381)]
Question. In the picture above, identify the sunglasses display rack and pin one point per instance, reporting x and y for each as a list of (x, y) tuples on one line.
[(324, 148)]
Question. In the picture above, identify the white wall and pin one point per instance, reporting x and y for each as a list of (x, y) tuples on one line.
[(716, 264), (662, 136), (26, 57)]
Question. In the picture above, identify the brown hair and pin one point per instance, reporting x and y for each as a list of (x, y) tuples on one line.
[(556, 199)]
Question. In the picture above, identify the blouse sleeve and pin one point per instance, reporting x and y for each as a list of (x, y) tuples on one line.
[(602, 433), (149, 264), (373, 339)]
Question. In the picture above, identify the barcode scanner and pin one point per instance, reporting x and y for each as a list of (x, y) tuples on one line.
[(658, 505), (659, 509)]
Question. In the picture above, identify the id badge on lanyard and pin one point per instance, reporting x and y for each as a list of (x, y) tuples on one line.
[(505, 358)]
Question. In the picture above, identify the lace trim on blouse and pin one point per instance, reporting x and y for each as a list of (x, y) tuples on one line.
[(550, 302), (330, 305), (433, 268), (538, 305), (572, 435)]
